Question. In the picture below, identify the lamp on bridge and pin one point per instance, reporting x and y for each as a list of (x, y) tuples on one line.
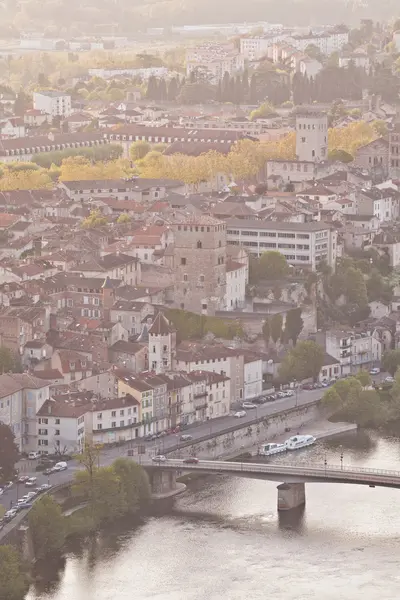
[(341, 457)]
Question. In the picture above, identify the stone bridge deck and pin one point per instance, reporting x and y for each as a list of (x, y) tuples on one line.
[(287, 473)]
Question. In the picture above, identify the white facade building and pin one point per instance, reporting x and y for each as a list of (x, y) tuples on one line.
[(253, 377), (52, 103), (311, 136), (236, 279), (217, 59), (21, 396), (302, 244)]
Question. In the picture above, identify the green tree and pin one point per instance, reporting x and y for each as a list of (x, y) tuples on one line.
[(380, 127), (266, 331), (139, 150), (364, 378), (13, 581), (356, 290), (293, 325), (48, 527), (9, 454), (303, 361), (273, 265), (134, 484), (102, 491), (337, 154), (276, 324), (391, 361)]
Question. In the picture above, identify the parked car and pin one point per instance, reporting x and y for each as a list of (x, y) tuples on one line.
[(239, 414), (33, 455), (159, 458), (24, 505), (375, 371), (186, 437), (389, 379), (249, 405), (10, 514), (23, 478), (43, 488), (271, 398), (289, 393), (192, 460), (31, 482), (60, 466)]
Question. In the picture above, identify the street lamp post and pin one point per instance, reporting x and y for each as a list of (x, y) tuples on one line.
[(341, 457)]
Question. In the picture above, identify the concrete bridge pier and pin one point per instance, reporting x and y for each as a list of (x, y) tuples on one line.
[(291, 495), (162, 482)]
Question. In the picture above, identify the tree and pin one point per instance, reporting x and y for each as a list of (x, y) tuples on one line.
[(102, 491), (94, 220), (391, 361), (265, 110), (276, 327), (134, 484), (9, 453), (124, 218), (173, 89), (340, 155), (273, 265), (380, 127), (356, 290), (13, 581), (266, 331), (48, 527), (139, 149), (364, 378), (21, 104), (303, 361), (293, 325)]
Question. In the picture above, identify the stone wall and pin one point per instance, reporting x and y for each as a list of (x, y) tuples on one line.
[(264, 430)]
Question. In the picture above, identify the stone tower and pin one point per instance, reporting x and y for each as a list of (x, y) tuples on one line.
[(162, 344), (311, 136), (108, 297), (394, 148), (199, 263)]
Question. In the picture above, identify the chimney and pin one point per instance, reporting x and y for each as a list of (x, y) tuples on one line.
[(49, 409)]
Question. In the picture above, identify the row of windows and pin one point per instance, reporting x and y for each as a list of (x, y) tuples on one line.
[(302, 236), (201, 228), (114, 413)]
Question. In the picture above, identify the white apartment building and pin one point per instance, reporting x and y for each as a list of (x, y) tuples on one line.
[(311, 136), (253, 48), (113, 420), (53, 103), (330, 41), (62, 427), (382, 203), (218, 59), (302, 244), (253, 381), (21, 396), (353, 350), (236, 279)]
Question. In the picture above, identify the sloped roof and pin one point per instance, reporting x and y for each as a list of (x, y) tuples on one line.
[(160, 325)]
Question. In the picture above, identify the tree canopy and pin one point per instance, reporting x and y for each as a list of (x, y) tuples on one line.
[(303, 361), (48, 527), (9, 453), (13, 580)]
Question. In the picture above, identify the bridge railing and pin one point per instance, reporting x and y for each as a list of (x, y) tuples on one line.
[(293, 470)]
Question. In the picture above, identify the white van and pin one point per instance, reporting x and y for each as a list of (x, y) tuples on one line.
[(34, 455), (60, 466)]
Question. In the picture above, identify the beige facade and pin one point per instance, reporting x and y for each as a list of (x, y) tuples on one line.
[(374, 156)]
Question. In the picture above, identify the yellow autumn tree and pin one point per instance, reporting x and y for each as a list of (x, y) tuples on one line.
[(24, 180), (94, 220), (77, 168), (351, 137)]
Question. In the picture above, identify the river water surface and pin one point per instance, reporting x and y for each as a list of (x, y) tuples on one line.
[(225, 540)]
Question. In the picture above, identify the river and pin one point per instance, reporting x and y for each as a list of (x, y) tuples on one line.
[(226, 540)]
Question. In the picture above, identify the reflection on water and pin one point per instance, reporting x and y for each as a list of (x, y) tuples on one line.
[(225, 539)]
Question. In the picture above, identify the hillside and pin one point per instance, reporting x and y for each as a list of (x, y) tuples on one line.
[(129, 16)]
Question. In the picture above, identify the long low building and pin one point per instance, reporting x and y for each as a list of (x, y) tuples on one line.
[(302, 244)]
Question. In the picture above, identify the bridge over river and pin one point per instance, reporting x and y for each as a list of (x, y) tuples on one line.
[(291, 492)]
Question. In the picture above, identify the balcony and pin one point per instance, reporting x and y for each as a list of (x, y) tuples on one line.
[(200, 394), (200, 405)]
